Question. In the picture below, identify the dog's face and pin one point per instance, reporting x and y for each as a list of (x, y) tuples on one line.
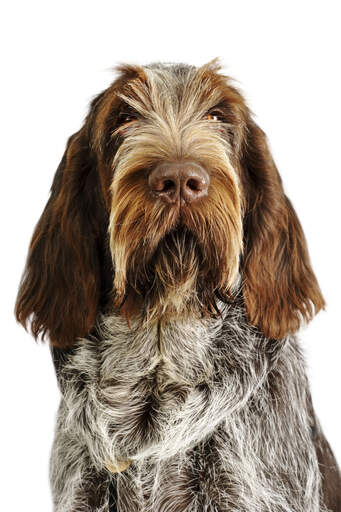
[(166, 200), (175, 201)]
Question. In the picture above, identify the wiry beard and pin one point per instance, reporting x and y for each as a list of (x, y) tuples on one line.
[(177, 281), (170, 261)]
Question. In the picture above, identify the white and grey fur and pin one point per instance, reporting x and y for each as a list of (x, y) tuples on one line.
[(214, 417)]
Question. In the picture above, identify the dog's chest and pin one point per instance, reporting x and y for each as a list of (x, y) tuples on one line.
[(186, 353), (173, 352), (241, 464)]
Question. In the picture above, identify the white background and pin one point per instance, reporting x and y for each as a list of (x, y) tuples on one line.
[(56, 56)]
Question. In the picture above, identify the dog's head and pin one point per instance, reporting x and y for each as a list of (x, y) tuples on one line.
[(166, 200)]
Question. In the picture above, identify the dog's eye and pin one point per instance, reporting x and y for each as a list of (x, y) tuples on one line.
[(126, 118), (215, 115)]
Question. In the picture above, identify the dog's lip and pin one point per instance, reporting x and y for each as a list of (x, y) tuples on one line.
[(179, 207), (180, 213), (180, 227), (178, 218)]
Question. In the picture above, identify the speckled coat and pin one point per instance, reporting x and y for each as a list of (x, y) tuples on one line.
[(213, 416), (166, 203)]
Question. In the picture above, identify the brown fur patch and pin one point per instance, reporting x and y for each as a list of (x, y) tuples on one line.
[(280, 288)]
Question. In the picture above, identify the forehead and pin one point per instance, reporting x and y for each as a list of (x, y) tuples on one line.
[(159, 87), (175, 92)]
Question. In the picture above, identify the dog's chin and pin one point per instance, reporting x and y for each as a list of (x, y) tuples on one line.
[(176, 259), (177, 281)]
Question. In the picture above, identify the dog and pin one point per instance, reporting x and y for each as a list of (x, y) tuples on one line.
[(170, 273)]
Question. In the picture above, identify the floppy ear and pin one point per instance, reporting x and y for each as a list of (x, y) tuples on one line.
[(63, 280), (280, 289)]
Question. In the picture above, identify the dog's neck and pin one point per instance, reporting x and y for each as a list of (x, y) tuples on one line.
[(178, 348), (181, 350), (178, 306)]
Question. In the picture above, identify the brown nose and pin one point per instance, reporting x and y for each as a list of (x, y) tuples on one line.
[(174, 181)]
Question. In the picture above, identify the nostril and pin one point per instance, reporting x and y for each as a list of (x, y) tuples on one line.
[(163, 185), (168, 185), (194, 185)]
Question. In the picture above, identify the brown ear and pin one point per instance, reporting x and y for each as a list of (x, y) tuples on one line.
[(280, 289), (63, 280)]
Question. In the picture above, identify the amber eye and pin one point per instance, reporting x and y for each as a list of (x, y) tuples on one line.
[(215, 115), (126, 118)]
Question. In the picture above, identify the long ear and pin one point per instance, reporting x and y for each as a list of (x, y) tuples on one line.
[(62, 283), (280, 289)]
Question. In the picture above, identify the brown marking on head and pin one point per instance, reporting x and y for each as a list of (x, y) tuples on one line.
[(280, 289), (66, 270)]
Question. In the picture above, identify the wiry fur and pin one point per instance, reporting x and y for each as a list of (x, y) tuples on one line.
[(172, 127), (213, 415), (172, 325)]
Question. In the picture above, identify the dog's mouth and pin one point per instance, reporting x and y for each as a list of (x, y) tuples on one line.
[(178, 279), (177, 244), (173, 251)]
